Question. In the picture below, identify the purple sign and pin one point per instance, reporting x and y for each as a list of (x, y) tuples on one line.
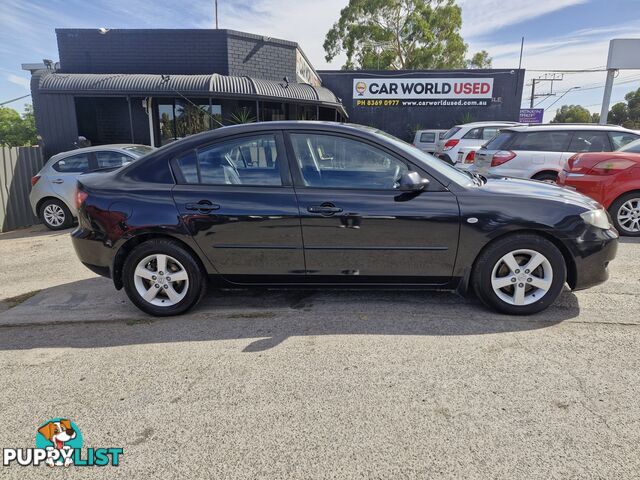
[(531, 115)]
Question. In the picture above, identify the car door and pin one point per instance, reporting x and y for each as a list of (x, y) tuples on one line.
[(236, 199), (357, 227), (64, 175)]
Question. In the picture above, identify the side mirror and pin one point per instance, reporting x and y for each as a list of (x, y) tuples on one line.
[(412, 182)]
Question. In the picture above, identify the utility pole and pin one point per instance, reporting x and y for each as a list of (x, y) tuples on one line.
[(606, 99), (216, 5), (547, 77)]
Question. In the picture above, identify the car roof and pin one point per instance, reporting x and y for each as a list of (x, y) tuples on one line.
[(498, 123), (568, 126), (97, 148)]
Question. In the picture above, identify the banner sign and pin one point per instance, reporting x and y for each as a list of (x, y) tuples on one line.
[(531, 115), (387, 91)]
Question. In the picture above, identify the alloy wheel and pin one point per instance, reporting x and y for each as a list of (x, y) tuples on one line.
[(629, 215), (161, 280), (522, 277), (54, 215)]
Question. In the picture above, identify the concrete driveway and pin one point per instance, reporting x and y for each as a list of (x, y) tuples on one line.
[(346, 384)]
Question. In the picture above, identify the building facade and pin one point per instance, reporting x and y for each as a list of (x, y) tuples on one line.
[(154, 86)]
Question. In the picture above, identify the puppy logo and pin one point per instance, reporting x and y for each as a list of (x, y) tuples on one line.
[(361, 87), (59, 434)]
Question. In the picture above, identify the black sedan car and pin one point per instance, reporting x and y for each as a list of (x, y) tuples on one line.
[(311, 204)]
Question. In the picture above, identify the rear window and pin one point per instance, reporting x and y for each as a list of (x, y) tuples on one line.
[(450, 133), (427, 137), (500, 141)]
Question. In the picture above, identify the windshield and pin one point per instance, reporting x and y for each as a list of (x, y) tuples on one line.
[(139, 150), (633, 147), (444, 168)]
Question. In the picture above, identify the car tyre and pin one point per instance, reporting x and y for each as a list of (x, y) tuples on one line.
[(627, 204), (55, 214), (502, 281), (148, 281)]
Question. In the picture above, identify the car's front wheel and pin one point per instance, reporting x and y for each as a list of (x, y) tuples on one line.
[(162, 278), (625, 213), (55, 215), (520, 274)]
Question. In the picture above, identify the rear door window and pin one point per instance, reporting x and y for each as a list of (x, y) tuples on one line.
[(251, 160), (73, 164), (489, 132), (545, 141), (473, 134), (112, 159), (589, 141)]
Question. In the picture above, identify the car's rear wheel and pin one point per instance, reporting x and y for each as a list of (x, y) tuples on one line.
[(625, 213), (547, 177), (520, 274), (55, 215), (162, 278)]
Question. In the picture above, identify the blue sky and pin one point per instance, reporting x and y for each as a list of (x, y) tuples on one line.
[(559, 34)]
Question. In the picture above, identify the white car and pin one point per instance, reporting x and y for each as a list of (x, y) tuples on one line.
[(426, 140), (541, 151), (53, 189), (467, 135)]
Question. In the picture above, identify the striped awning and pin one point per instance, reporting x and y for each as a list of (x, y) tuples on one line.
[(119, 84)]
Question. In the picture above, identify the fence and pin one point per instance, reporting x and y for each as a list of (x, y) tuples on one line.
[(17, 166)]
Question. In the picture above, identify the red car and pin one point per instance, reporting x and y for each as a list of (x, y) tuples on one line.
[(611, 178)]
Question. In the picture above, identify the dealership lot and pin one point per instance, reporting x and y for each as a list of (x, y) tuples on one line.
[(320, 384)]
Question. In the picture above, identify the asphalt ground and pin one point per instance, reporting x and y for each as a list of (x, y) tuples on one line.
[(318, 384)]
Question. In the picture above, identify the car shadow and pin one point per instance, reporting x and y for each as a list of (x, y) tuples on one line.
[(631, 240), (91, 314)]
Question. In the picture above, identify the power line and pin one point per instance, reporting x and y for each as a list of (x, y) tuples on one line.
[(15, 99)]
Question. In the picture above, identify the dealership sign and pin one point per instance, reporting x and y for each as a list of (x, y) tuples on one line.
[(422, 91), (531, 115)]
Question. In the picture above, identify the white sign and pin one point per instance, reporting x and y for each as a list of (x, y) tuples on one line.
[(422, 88), (623, 54)]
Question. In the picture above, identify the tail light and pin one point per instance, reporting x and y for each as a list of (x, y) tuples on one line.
[(612, 166), (34, 179), (471, 157), (450, 144), (81, 196), (502, 156)]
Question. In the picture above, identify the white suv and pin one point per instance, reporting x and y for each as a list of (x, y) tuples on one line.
[(467, 135), (541, 151)]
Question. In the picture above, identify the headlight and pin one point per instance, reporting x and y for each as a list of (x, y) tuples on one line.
[(597, 218)]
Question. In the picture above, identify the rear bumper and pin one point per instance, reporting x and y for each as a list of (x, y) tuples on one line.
[(589, 185), (93, 253), (593, 257)]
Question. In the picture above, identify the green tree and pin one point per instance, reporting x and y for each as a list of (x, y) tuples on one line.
[(398, 34), (619, 114), (480, 60), (595, 118), (572, 114), (17, 130)]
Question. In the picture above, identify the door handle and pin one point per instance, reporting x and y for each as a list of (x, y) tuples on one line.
[(202, 205), (57, 180), (324, 209)]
